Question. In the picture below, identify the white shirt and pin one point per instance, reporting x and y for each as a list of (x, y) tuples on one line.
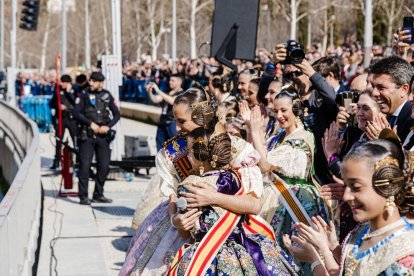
[(407, 140), (397, 112)]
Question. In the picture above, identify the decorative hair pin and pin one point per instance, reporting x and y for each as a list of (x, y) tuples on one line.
[(201, 140), (386, 161)]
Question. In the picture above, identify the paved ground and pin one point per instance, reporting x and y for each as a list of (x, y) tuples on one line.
[(89, 240)]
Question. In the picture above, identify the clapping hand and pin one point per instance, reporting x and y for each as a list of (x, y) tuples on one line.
[(322, 236), (331, 141), (305, 252), (245, 112), (333, 191)]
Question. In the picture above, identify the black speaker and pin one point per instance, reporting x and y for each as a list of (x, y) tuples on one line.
[(235, 24)]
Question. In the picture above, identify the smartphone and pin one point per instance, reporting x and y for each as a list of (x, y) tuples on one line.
[(408, 24), (347, 105)]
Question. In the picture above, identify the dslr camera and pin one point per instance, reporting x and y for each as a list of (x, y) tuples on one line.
[(294, 51)]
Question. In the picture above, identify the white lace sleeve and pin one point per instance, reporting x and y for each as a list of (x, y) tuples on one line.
[(167, 172), (293, 162), (245, 158)]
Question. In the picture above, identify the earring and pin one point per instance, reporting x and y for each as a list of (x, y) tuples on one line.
[(201, 168), (297, 121), (390, 206)]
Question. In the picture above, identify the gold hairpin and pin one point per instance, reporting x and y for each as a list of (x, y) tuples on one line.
[(296, 101), (201, 140), (386, 161)]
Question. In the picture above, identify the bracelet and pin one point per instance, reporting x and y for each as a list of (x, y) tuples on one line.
[(315, 264), (333, 157), (171, 221), (325, 254)]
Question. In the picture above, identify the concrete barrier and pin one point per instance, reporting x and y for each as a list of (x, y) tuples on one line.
[(20, 208), (141, 112)]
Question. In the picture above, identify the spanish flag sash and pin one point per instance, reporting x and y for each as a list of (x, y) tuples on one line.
[(289, 200), (211, 243)]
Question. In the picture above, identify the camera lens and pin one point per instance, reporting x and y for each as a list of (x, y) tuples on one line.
[(295, 53)]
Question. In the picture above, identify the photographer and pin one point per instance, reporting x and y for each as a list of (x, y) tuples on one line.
[(166, 126), (317, 95), (97, 113)]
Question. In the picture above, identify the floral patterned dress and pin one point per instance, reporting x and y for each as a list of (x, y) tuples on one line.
[(293, 155), (242, 253), (155, 241), (394, 255)]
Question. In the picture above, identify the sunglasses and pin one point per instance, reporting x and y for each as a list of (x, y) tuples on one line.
[(293, 74)]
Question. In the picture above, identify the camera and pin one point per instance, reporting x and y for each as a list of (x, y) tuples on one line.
[(294, 52)]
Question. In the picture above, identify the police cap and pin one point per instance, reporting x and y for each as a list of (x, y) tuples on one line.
[(65, 78), (97, 76)]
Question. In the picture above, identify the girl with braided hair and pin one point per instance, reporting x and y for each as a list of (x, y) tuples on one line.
[(158, 223), (378, 181), (228, 240)]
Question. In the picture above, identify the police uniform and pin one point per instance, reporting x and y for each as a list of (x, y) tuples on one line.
[(95, 107), (68, 99)]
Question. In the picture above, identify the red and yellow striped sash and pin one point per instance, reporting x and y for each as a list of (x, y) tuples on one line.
[(210, 244), (290, 201), (258, 225), (183, 167)]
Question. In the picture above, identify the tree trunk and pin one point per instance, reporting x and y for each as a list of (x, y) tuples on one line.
[(325, 31), (44, 45), (309, 40), (105, 28), (193, 38), (391, 16), (138, 37), (293, 19)]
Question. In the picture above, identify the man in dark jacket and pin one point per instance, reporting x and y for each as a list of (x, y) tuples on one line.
[(67, 103), (97, 113), (390, 79)]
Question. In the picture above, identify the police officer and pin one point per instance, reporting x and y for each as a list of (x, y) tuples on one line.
[(97, 113), (67, 103)]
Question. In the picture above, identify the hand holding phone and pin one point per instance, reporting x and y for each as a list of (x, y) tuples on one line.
[(408, 25)]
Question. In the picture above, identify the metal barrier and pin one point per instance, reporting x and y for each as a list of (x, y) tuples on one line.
[(20, 208)]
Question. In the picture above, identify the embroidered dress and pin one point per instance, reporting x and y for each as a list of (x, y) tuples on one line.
[(293, 155), (394, 255), (155, 240), (242, 253)]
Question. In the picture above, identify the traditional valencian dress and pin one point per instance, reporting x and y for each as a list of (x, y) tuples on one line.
[(227, 243), (394, 255), (155, 241), (290, 193)]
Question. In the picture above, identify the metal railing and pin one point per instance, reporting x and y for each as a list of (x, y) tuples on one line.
[(20, 208)]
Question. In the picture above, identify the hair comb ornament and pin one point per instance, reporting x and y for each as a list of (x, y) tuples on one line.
[(388, 180)]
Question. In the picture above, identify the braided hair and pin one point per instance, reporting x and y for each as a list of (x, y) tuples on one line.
[(297, 106), (216, 150)]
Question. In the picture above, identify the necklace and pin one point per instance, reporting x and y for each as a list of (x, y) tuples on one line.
[(383, 230)]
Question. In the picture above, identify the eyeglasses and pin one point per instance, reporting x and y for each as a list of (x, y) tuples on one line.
[(293, 74)]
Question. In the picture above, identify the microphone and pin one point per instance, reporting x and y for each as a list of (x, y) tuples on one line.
[(181, 204)]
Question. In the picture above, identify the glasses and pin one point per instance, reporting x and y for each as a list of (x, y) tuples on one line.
[(294, 74)]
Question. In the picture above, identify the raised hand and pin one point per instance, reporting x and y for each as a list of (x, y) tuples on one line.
[(331, 141)]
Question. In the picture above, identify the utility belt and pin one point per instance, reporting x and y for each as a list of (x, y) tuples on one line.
[(86, 133), (68, 115)]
